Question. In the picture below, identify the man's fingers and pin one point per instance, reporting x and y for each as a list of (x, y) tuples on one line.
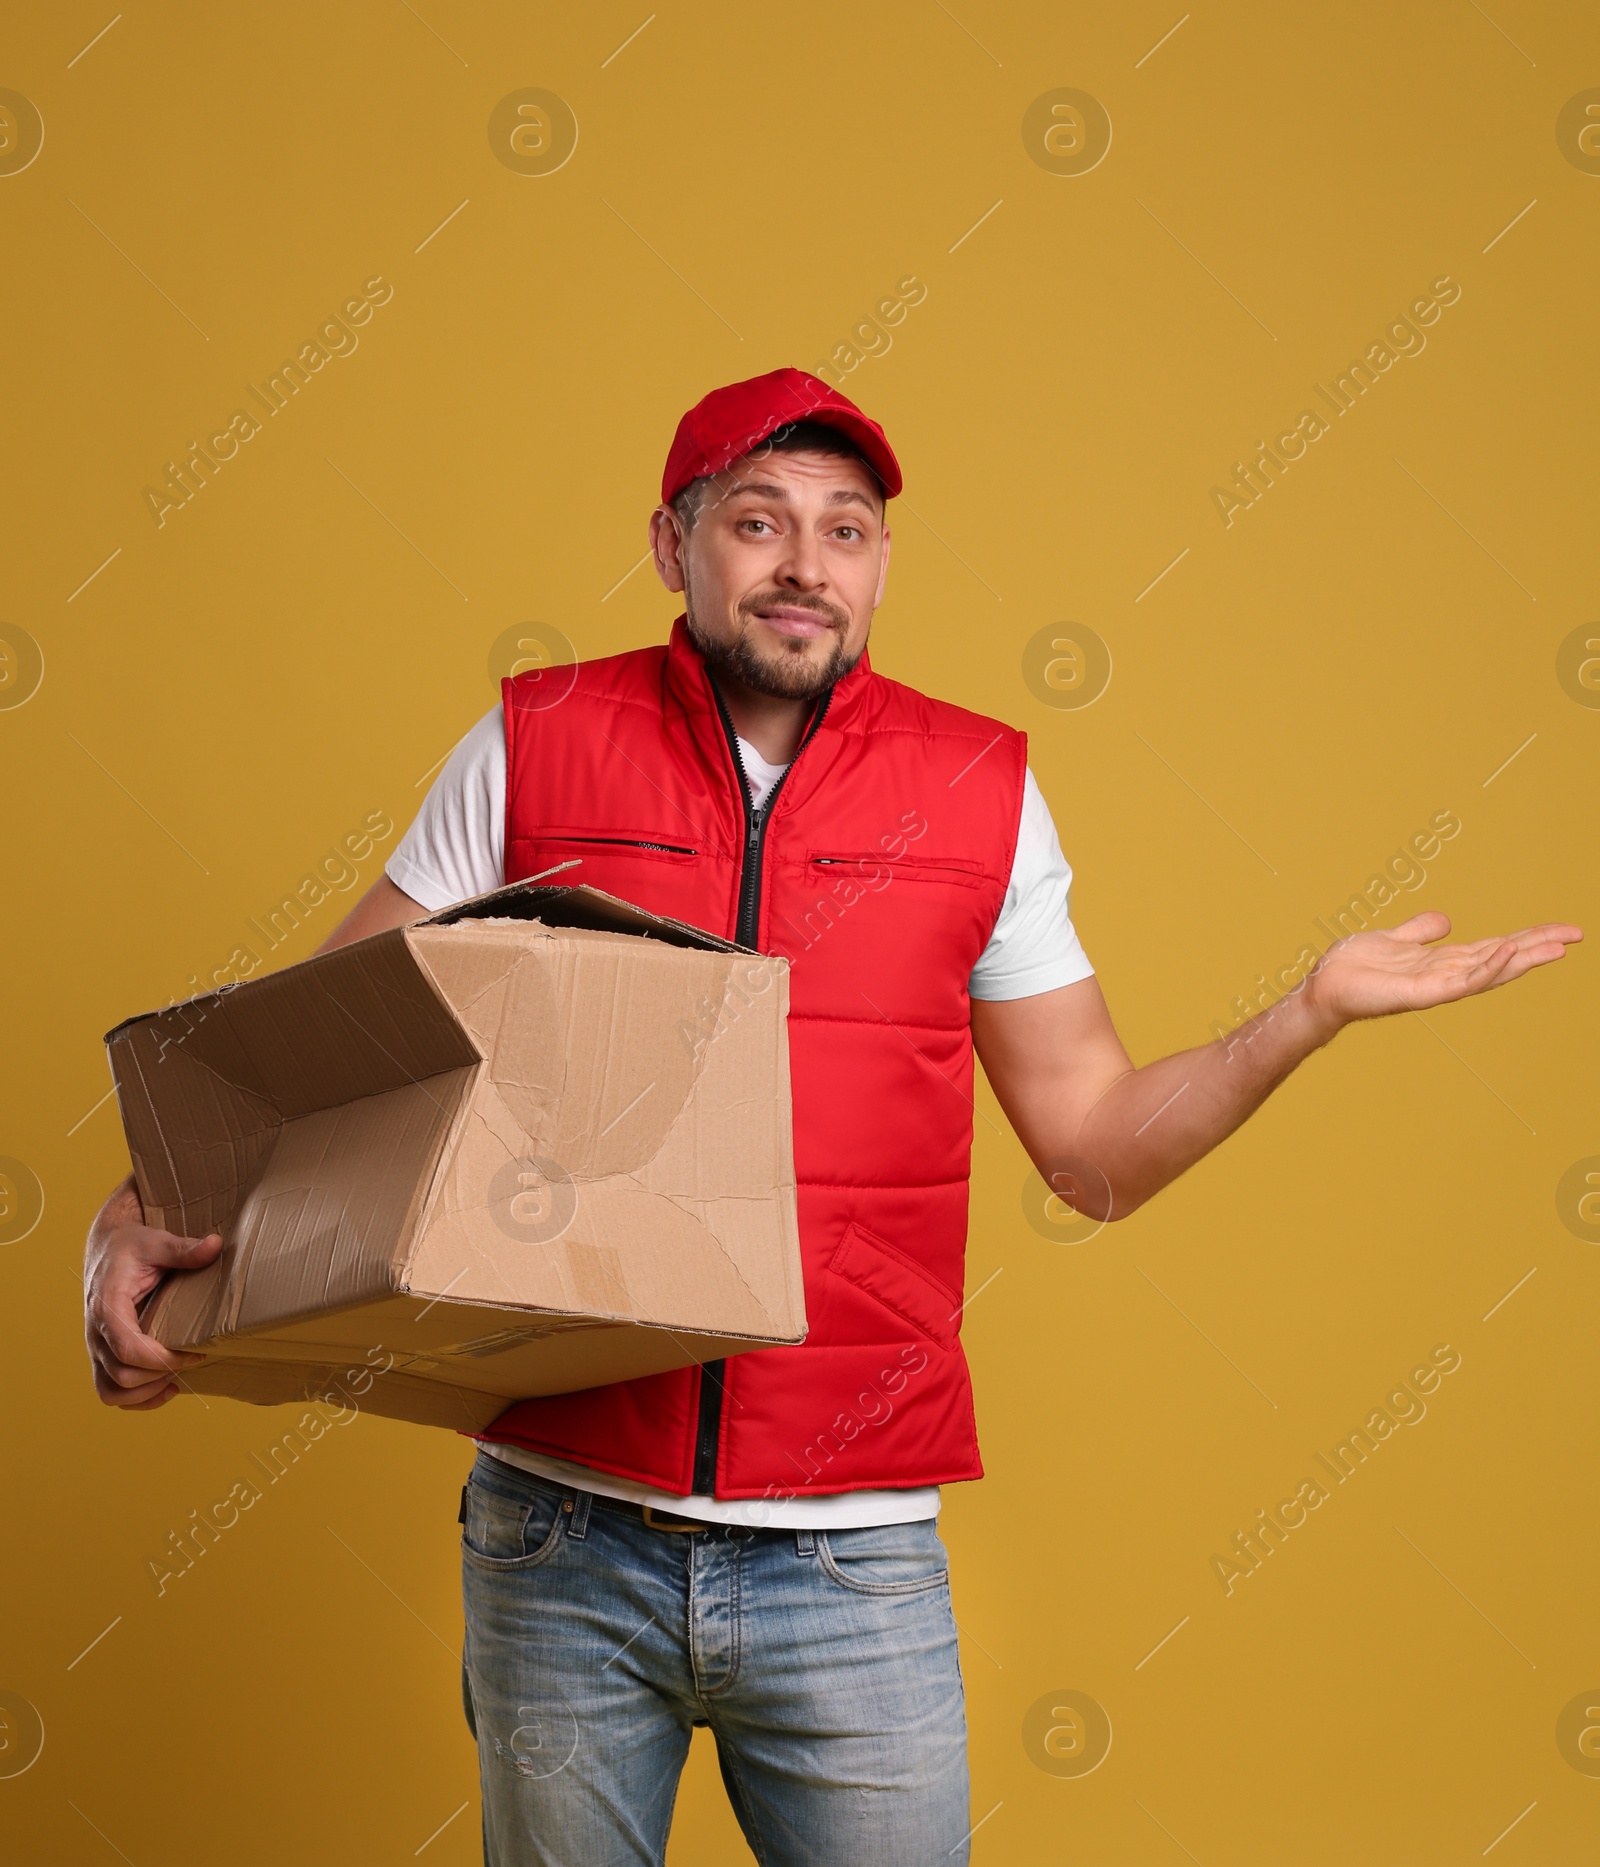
[(1558, 933), (120, 1385), (126, 1345), (173, 1253), (1491, 969), (1530, 956), (140, 1391), (140, 1400), (124, 1260), (1478, 965), (130, 1356), (1522, 952), (126, 1277), (131, 1374), (1507, 961), (1422, 928)]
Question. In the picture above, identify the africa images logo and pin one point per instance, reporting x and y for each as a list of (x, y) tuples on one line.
[(1255, 476), (533, 1200), (199, 466), (1403, 1405)]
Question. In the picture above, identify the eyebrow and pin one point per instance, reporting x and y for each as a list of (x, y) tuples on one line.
[(767, 489)]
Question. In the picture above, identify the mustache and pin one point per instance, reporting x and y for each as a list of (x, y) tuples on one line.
[(769, 599)]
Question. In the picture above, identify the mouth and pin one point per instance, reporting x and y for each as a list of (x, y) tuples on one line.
[(799, 625)]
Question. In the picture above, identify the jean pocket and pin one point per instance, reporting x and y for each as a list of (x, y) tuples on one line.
[(885, 1559), (510, 1527)]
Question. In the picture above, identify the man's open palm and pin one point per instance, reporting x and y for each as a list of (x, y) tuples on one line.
[(1373, 973)]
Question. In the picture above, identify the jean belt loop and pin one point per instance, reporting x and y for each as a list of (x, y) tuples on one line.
[(577, 1508), (805, 1544)]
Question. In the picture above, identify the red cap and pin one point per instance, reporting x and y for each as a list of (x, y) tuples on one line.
[(733, 421)]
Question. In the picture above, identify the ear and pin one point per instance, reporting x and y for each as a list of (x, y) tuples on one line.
[(883, 571), (667, 542)]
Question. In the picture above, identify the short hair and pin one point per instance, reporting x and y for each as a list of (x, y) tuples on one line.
[(798, 437)]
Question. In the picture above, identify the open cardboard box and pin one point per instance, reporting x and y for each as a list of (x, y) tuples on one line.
[(537, 1142)]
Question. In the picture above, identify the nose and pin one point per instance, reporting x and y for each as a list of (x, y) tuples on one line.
[(802, 566)]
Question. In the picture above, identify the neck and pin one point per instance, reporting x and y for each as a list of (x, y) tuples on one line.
[(773, 725)]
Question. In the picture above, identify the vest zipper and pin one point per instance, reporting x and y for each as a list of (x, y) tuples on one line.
[(708, 1423)]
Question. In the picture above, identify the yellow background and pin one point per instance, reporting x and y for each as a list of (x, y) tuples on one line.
[(1365, 647)]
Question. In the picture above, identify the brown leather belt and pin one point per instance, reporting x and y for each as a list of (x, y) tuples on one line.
[(661, 1519), (666, 1520)]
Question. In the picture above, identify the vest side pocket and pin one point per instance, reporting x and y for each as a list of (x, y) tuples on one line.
[(898, 1282)]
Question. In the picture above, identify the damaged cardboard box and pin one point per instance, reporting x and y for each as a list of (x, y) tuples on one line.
[(538, 1142)]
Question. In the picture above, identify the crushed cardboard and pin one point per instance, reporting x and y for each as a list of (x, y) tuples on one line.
[(537, 1142)]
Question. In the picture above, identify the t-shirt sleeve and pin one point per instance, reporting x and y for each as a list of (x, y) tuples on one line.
[(1034, 947), (456, 847)]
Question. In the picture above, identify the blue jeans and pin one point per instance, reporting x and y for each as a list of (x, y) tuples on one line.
[(824, 1663)]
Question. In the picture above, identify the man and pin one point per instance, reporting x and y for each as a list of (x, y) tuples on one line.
[(753, 1545)]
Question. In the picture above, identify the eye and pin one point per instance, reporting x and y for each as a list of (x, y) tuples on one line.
[(754, 525), (849, 533)]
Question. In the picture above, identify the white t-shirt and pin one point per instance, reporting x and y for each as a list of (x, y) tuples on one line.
[(456, 849)]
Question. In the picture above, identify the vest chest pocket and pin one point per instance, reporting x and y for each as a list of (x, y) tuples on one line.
[(897, 1282), (654, 870), (622, 845), (873, 874)]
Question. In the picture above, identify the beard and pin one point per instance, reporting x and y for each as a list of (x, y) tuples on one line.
[(786, 672)]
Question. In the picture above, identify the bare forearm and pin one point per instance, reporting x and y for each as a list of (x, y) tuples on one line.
[(122, 1207), (383, 906), (1154, 1123), (1108, 1136)]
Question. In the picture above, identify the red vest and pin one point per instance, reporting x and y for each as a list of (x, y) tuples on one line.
[(878, 867)]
